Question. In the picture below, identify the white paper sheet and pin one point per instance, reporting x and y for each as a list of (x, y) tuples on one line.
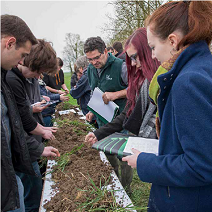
[(97, 104), (67, 111), (142, 144)]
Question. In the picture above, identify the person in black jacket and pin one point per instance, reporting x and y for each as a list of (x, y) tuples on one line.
[(16, 153), (24, 82), (118, 50), (56, 82), (138, 116)]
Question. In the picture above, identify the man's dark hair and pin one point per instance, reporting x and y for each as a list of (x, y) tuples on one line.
[(118, 46), (60, 62), (110, 48), (12, 25), (94, 43)]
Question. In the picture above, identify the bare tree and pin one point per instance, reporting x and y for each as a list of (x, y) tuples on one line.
[(72, 50), (129, 15)]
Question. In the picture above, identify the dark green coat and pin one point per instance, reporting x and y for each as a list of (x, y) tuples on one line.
[(110, 79)]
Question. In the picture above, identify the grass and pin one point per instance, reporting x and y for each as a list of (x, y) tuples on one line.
[(140, 191), (67, 78), (99, 198), (64, 159)]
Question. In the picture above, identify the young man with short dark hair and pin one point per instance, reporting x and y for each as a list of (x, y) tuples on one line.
[(24, 82), (16, 153), (118, 50)]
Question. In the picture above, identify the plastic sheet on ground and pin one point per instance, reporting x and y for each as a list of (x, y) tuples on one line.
[(48, 192)]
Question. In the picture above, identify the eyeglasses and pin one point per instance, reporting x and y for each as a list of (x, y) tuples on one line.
[(95, 58), (133, 57)]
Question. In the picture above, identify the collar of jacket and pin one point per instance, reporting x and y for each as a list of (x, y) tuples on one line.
[(166, 80), (3, 73), (18, 73)]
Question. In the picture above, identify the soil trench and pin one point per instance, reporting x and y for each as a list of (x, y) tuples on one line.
[(83, 166)]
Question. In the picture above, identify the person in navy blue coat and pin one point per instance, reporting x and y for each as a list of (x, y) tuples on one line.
[(82, 89), (179, 34)]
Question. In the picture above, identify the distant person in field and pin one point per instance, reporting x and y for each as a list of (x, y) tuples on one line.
[(110, 49), (118, 50), (74, 77), (82, 90)]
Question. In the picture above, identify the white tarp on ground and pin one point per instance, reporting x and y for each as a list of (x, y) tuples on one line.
[(48, 192)]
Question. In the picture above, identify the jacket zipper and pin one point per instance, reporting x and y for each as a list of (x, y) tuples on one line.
[(168, 191)]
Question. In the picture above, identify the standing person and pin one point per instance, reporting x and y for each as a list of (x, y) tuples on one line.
[(56, 83), (16, 154), (118, 50), (181, 173), (106, 72), (138, 116), (82, 90), (109, 74), (24, 83), (110, 49), (74, 78)]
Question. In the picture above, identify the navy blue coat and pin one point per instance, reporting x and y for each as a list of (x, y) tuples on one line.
[(82, 91), (181, 175)]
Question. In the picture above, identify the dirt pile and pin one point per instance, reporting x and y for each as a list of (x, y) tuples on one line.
[(82, 168)]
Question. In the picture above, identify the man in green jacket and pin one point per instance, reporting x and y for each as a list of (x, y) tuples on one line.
[(109, 74)]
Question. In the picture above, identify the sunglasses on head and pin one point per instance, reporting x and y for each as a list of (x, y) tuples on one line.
[(133, 57)]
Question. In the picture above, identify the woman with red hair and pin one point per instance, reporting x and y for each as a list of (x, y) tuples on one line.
[(138, 116)]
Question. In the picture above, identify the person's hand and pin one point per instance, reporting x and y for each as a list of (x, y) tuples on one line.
[(132, 159), (43, 101), (63, 97), (108, 96), (46, 98), (50, 152), (52, 129), (61, 92), (47, 134), (91, 138), (89, 116), (67, 91), (38, 108)]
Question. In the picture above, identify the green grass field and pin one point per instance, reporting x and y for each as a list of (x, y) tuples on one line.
[(140, 190), (67, 77)]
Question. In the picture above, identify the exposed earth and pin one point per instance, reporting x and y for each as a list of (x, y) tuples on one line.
[(83, 167)]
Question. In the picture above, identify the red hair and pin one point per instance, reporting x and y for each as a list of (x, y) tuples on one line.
[(148, 68), (192, 18)]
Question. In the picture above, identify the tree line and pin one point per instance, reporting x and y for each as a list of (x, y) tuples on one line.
[(128, 16)]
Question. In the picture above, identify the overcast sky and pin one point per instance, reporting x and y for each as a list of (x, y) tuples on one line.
[(53, 19)]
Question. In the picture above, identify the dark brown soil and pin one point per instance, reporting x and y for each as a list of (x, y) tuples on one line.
[(83, 165)]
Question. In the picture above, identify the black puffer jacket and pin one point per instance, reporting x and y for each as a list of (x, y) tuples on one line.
[(23, 152)]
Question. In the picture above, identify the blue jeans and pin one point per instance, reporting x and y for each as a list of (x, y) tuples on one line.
[(21, 196), (32, 189), (47, 121)]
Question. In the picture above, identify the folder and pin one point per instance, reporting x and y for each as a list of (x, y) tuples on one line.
[(121, 144)]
